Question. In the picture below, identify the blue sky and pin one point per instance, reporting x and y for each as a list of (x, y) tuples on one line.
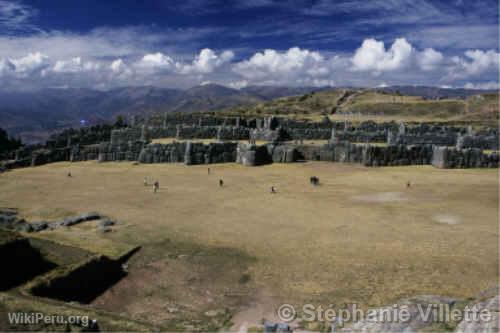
[(178, 44)]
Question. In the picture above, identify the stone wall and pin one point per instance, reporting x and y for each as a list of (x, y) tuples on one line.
[(233, 133), (448, 139), (84, 153), (445, 157), (125, 135), (189, 153), (343, 152), (252, 155), (163, 153), (220, 152), (81, 136), (109, 152), (44, 156), (308, 134), (477, 141)]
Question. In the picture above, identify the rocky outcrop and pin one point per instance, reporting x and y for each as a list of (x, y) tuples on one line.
[(9, 220), (416, 321), (490, 306)]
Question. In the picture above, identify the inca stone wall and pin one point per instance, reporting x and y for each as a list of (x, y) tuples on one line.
[(445, 157), (163, 153), (44, 156), (489, 142), (407, 144), (343, 152), (252, 155), (109, 152), (220, 152), (84, 153), (189, 153), (126, 135)]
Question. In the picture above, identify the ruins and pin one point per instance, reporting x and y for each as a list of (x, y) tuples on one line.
[(367, 143)]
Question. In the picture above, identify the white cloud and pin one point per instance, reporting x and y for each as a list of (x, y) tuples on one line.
[(75, 65), (117, 66), (31, 63), (290, 67), (205, 62), (429, 59), (477, 62), (372, 56), (156, 61)]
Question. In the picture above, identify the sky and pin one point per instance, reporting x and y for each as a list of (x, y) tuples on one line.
[(179, 44)]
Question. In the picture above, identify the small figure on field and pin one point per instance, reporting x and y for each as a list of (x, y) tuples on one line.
[(221, 183), (145, 181), (273, 190), (408, 184), (156, 186), (69, 174), (208, 171), (314, 180)]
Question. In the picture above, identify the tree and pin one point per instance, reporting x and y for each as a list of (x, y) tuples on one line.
[(7, 143), (120, 121)]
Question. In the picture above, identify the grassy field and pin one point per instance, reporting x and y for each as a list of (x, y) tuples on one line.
[(361, 236)]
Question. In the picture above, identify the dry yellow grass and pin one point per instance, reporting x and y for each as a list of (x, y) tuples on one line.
[(361, 236)]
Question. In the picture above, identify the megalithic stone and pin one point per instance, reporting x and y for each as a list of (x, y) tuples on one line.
[(187, 153), (401, 129), (219, 130), (178, 131), (165, 120), (391, 138), (143, 133)]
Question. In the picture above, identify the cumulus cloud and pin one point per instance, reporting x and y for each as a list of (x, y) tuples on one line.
[(286, 67), (373, 57), (156, 61), (476, 62), (429, 59), (75, 65), (30, 64), (205, 62), (117, 66)]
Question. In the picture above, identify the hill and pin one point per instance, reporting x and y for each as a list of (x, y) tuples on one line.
[(377, 104)]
